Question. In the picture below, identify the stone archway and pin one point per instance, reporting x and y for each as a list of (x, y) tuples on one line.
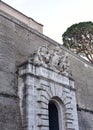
[(43, 84), (57, 113)]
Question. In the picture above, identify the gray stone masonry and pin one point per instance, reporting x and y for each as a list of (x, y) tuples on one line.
[(17, 42)]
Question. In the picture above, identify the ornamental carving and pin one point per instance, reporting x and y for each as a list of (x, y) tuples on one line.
[(55, 59)]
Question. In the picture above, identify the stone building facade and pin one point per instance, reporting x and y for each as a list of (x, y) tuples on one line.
[(44, 81), (32, 84)]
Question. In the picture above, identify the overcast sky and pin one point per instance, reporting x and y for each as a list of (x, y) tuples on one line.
[(55, 15)]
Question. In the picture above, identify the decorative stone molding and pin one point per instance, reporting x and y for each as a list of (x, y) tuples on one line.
[(55, 59), (39, 86)]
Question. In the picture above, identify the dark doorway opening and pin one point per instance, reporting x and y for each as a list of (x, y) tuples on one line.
[(53, 117)]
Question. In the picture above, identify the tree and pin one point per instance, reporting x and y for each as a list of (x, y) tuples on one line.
[(79, 39)]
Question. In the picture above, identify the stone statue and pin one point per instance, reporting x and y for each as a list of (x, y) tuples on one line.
[(64, 65), (56, 59), (42, 56)]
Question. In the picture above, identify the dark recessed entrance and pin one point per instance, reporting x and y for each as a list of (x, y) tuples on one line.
[(53, 117)]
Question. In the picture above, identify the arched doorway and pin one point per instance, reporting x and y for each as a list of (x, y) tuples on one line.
[(53, 116)]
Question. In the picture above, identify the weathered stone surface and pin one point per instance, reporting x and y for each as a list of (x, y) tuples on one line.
[(83, 76), (8, 83), (85, 120), (9, 114)]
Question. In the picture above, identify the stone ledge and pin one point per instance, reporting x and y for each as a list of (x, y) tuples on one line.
[(8, 95), (85, 110)]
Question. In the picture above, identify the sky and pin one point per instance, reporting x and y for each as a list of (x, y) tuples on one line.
[(55, 15)]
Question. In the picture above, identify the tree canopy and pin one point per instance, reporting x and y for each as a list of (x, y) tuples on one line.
[(79, 39)]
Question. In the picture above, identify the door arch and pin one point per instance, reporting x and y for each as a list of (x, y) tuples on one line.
[(53, 116), (56, 110)]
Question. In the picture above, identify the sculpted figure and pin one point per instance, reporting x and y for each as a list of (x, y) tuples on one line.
[(55, 58), (42, 56), (63, 65)]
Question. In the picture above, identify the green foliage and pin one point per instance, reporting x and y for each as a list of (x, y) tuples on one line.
[(79, 39)]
